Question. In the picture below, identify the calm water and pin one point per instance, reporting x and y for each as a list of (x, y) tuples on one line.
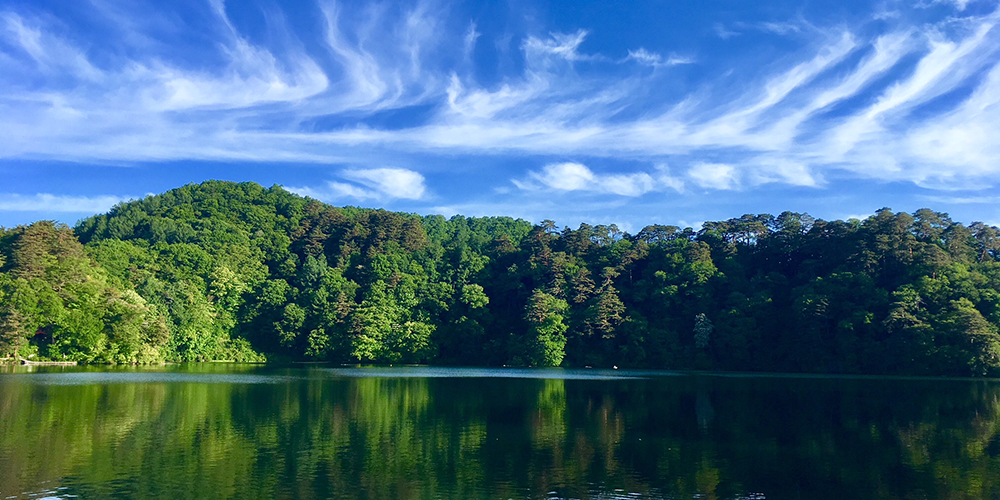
[(221, 431)]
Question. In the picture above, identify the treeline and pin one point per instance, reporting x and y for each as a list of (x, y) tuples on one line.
[(226, 271)]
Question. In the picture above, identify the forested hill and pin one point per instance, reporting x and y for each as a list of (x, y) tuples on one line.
[(226, 271)]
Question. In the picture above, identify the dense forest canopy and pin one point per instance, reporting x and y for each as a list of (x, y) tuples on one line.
[(227, 271)]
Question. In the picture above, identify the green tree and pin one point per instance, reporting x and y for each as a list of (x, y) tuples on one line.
[(545, 342), (702, 331), (973, 343), (13, 334)]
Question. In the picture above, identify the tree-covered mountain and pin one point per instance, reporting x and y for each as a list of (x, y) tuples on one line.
[(226, 271)]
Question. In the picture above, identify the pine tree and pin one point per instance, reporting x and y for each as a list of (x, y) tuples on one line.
[(702, 331), (12, 334), (546, 340)]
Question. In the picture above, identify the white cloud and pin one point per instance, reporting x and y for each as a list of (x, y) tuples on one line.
[(470, 40), (485, 104), (775, 27), (723, 32), (251, 76), (965, 136), (744, 124), (44, 202), (778, 169), (628, 185), (643, 56), (780, 28), (958, 4), (937, 72), (777, 89), (52, 54), (848, 100), (964, 200), (375, 184), (884, 15), (562, 45), (566, 176), (570, 176), (713, 175), (667, 181), (335, 191), (362, 83), (381, 58), (263, 83), (392, 182)]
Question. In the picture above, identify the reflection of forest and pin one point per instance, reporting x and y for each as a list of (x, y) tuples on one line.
[(677, 437)]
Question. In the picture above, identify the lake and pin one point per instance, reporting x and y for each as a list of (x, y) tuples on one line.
[(231, 431)]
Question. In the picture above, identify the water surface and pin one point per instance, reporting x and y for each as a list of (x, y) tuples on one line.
[(230, 431)]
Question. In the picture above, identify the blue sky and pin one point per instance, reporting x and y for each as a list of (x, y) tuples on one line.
[(606, 112)]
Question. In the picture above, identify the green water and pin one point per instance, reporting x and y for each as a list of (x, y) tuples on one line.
[(223, 431)]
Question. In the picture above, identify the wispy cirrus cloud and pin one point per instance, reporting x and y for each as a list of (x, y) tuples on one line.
[(51, 55), (643, 56), (560, 45), (45, 202), (887, 99), (571, 176)]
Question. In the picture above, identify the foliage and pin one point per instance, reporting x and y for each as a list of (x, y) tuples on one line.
[(702, 330), (58, 304), (227, 271)]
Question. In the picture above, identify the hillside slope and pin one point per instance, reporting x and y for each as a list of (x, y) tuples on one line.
[(241, 272)]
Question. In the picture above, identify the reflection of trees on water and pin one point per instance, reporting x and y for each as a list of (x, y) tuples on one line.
[(470, 438)]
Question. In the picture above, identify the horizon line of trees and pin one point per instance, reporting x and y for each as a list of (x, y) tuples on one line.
[(235, 271)]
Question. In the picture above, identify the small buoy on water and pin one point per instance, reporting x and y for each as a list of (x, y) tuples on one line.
[(616, 367)]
